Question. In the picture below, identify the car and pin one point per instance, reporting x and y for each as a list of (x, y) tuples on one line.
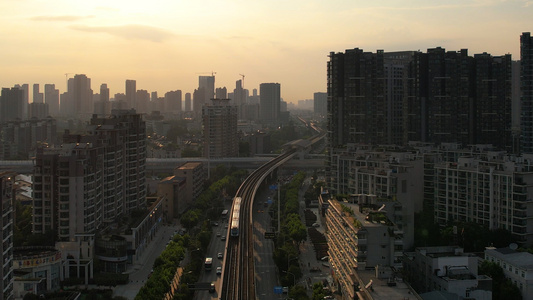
[(220, 255), (219, 270), (285, 290), (212, 287), (218, 234), (223, 238)]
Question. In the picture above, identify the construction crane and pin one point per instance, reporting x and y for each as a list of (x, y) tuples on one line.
[(212, 73), (242, 80)]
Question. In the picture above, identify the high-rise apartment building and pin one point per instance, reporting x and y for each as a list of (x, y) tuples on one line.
[(438, 97), (11, 104), (492, 101), (360, 236), (356, 97), (131, 90), (143, 101), (123, 134), (173, 102), (220, 129), (269, 102), (320, 103), (92, 180), (38, 97), (205, 92), (38, 110), (26, 98), (7, 198), (493, 191), (526, 89), (79, 98), (239, 98), (188, 102), (104, 92), (51, 97), (221, 93)]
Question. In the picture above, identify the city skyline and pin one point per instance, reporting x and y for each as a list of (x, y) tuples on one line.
[(166, 45)]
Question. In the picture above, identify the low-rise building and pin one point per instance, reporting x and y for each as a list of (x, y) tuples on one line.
[(36, 269), (195, 176), (446, 268), (517, 266), (172, 191)]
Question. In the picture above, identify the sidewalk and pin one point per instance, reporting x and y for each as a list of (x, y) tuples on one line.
[(308, 259), (139, 271)]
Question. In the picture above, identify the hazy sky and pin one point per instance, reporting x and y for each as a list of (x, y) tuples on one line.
[(166, 45)]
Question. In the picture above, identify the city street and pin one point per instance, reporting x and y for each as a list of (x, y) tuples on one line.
[(217, 245), (139, 272)]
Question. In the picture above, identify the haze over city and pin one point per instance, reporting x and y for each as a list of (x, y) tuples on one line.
[(166, 45)]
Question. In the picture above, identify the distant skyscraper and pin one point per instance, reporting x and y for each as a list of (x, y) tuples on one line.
[(188, 104), (220, 129), (79, 99), (51, 97), (254, 99), (238, 94), (38, 97), (526, 99), (11, 104), (102, 106), (269, 103), (221, 93), (206, 92), (38, 110), (173, 101), (320, 103), (131, 90), (239, 98), (26, 98), (104, 92), (143, 101)]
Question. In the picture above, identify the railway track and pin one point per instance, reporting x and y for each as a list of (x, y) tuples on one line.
[(238, 277)]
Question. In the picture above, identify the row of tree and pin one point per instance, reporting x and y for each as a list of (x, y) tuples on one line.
[(293, 232)]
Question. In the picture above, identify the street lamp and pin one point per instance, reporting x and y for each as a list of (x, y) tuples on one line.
[(293, 277)]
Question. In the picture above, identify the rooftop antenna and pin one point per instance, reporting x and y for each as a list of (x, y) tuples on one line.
[(66, 81)]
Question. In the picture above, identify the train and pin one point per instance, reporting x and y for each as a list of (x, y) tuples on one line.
[(235, 212)]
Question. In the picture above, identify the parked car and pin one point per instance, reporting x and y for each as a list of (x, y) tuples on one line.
[(220, 255), (219, 270)]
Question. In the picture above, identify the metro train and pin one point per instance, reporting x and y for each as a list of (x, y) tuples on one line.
[(235, 212)]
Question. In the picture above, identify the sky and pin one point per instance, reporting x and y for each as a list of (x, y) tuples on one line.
[(166, 45)]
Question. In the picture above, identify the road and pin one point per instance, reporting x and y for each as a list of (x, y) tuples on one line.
[(216, 245), (266, 277)]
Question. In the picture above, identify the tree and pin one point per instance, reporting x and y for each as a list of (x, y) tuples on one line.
[(502, 288), (298, 292), (190, 218), (296, 228), (318, 291)]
